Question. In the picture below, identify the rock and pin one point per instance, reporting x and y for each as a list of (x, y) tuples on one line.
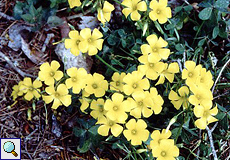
[(56, 127), (70, 60)]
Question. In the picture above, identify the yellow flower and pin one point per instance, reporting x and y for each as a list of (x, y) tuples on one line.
[(91, 43), (168, 72), (205, 78), (74, 3), (156, 48), (157, 137), (16, 90), (200, 95), (142, 105), (205, 115), (49, 73), (31, 89), (77, 79), (136, 131), (191, 73), (156, 99), (166, 150), (106, 125), (151, 67), (97, 107), (117, 83), (104, 14), (176, 100), (73, 42), (95, 84), (160, 11), (132, 7), (59, 96), (135, 82), (84, 101), (117, 107)]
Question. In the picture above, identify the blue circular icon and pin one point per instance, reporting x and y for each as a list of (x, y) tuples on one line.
[(8, 146)]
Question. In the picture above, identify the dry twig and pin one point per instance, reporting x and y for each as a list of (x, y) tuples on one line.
[(23, 74)]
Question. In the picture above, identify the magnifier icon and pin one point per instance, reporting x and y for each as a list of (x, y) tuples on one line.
[(9, 147)]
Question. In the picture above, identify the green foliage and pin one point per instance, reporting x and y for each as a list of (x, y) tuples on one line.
[(87, 134), (38, 16)]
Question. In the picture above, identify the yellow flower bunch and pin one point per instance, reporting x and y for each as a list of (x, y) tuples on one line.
[(177, 100), (98, 109), (132, 8), (49, 72), (59, 96), (16, 91), (95, 84), (141, 104), (136, 131), (160, 11), (106, 124), (168, 72), (86, 42), (205, 115), (104, 14), (30, 89), (155, 48), (74, 3), (117, 81), (162, 147), (76, 80), (135, 82), (117, 108)]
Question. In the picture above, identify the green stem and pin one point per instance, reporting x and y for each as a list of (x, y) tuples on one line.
[(175, 30), (198, 32), (129, 54), (114, 69), (157, 25)]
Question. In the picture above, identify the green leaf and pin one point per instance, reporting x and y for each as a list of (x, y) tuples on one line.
[(32, 11), (94, 129), (78, 132), (221, 4), (27, 17), (123, 43), (188, 8), (205, 13), (201, 42), (112, 40), (180, 47), (86, 146), (122, 33), (215, 32)]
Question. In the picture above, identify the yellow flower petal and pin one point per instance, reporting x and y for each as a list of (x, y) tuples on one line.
[(103, 130), (135, 16), (116, 130)]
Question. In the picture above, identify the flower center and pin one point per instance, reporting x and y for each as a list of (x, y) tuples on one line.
[(90, 40), (101, 109), (163, 153), (110, 123), (94, 86), (154, 50), (159, 141), (134, 85), (198, 96), (140, 103), (134, 7), (151, 65), (57, 94), (206, 114), (31, 88), (77, 42), (74, 79), (201, 80), (190, 74), (118, 83), (51, 73), (115, 108), (134, 132)]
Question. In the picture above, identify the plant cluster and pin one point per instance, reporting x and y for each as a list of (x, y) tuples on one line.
[(123, 103)]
